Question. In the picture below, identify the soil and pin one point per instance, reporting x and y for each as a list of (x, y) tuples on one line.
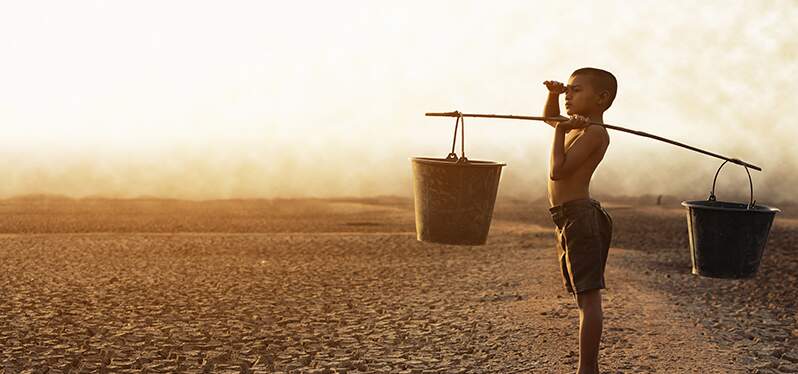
[(342, 285)]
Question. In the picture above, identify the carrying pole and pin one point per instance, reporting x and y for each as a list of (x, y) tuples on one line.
[(612, 127)]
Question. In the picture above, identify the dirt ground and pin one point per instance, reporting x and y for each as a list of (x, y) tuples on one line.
[(324, 286)]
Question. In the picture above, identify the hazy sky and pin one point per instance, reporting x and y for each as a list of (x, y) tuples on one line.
[(197, 99)]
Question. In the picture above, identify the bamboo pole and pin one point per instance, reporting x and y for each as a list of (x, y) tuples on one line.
[(618, 128)]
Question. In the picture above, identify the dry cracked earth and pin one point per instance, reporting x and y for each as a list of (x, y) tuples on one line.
[(342, 286)]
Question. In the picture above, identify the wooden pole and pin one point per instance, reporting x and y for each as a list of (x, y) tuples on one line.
[(618, 128)]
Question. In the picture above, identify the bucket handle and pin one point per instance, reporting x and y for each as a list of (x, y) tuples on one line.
[(751, 201), (452, 155)]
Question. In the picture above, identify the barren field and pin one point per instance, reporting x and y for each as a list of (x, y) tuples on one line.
[(325, 286)]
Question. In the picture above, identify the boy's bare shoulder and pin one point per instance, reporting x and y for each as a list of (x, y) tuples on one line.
[(599, 132)]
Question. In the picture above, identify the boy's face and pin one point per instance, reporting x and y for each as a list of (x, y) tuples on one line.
[(580, 97)]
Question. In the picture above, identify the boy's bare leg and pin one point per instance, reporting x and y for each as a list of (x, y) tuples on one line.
[(590, 326)]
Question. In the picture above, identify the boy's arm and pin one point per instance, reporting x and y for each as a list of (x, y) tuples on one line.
[(552, 107), (564, 163)]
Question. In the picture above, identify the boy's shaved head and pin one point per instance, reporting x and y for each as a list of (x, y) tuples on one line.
[(601, 80)]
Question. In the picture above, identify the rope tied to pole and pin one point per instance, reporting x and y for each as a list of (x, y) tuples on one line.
[(460, 121)]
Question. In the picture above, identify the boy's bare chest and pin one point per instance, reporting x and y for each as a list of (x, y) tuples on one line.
[(571, 137)]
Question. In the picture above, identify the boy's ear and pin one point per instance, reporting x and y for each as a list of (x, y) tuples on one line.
[(603, 98)]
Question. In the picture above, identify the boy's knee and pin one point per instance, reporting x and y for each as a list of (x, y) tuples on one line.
[(589, 299)]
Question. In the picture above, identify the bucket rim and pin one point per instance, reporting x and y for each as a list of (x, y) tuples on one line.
[(448, 162), (702, 204)]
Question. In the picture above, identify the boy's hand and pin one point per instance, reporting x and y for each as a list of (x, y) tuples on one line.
[(574, 123), (555, 87)]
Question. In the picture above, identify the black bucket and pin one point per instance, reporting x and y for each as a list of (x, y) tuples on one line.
[(454, 197), (727, 239)]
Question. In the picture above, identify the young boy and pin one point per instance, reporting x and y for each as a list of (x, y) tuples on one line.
[(583, 228)]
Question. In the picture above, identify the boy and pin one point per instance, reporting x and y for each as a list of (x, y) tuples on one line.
[(583, 228)]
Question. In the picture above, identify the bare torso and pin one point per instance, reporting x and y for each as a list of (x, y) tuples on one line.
[(577, 185)]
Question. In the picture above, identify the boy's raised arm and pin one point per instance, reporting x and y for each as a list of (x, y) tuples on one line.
[(552, 107)]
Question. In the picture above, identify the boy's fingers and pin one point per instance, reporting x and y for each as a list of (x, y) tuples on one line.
[(578, 121)]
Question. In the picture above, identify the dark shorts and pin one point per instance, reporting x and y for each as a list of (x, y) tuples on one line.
[(584, 232)]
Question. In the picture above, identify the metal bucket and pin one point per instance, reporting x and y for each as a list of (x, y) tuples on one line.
[(454, 197), (727, 240)]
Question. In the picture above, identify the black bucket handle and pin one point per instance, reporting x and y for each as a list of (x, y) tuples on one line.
[(452, 155), (751, 202)]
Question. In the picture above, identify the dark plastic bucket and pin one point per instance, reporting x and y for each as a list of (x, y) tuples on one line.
[(727, 240), (454, 197)]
